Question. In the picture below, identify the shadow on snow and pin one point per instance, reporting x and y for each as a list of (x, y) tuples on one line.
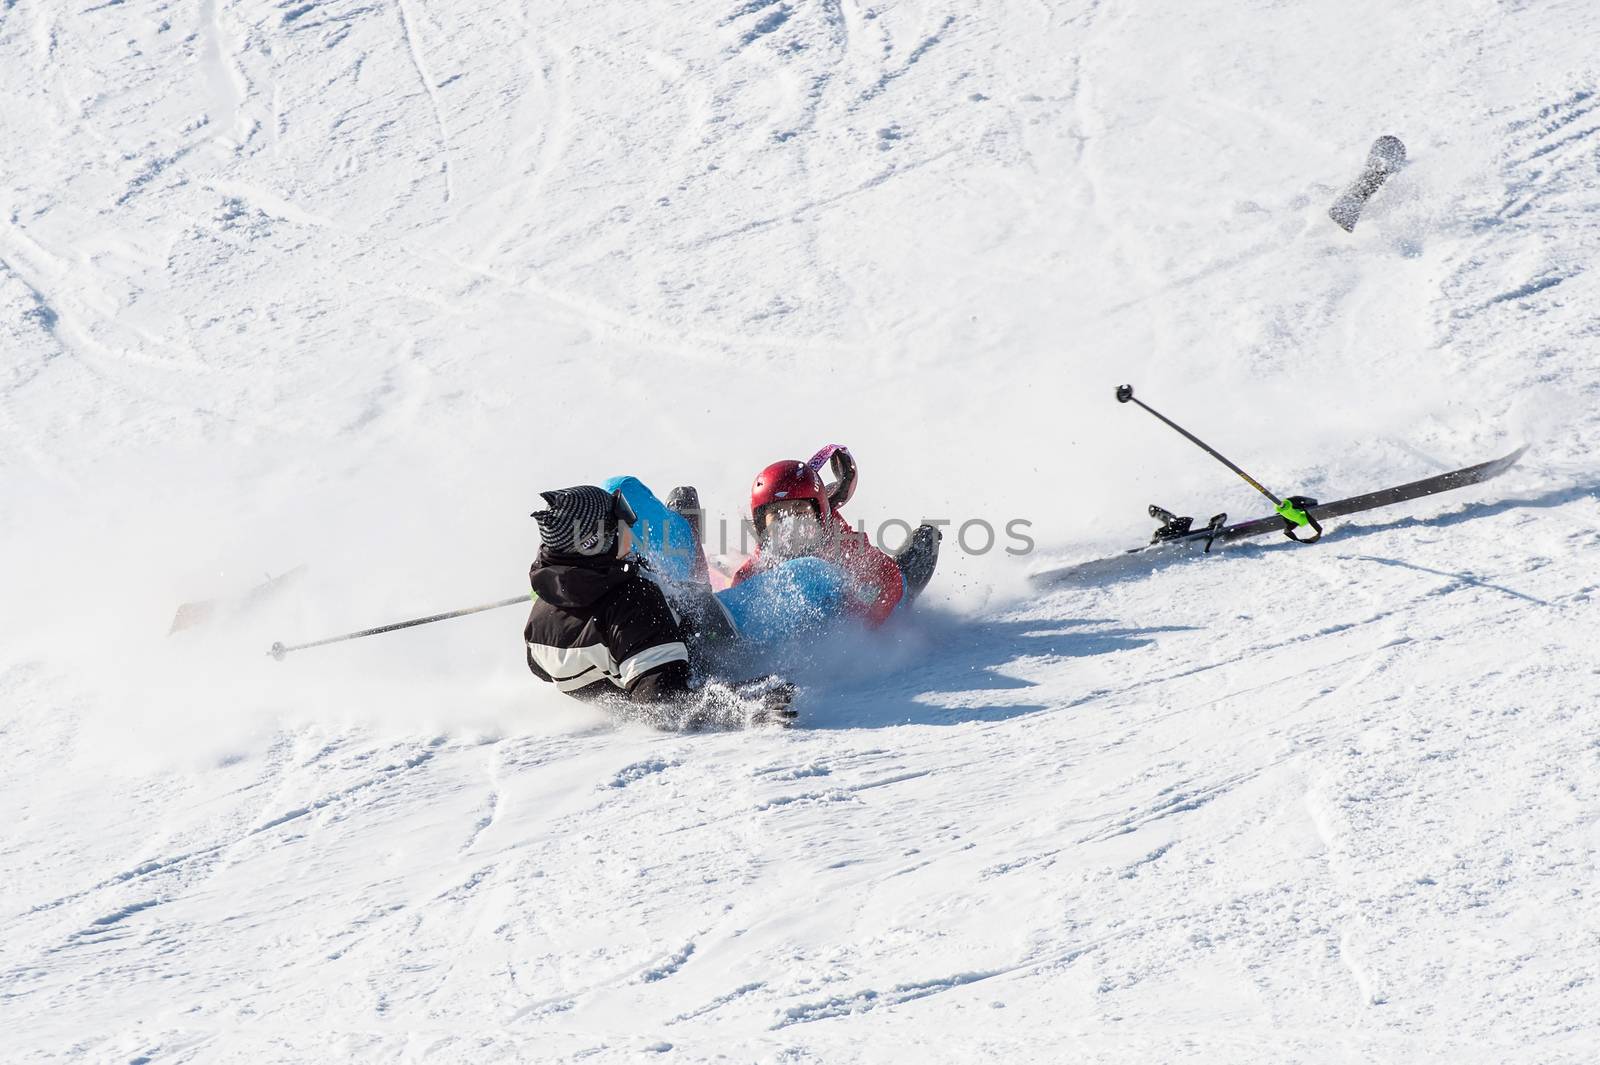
[(934, 668)]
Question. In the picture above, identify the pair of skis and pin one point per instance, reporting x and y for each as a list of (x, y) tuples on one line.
[(1297, 517)]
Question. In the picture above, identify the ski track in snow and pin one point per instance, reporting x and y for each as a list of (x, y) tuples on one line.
[(261, 298), (413, 45)]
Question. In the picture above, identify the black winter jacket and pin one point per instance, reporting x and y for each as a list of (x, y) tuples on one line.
[(599, 625)]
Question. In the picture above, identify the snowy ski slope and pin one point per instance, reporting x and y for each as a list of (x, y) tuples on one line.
[(343, 284)]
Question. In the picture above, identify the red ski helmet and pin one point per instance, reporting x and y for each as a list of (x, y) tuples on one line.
[(786, 480)]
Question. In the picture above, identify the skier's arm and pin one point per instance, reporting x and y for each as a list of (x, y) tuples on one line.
[(644, 636), (882, 575), (876, 581)]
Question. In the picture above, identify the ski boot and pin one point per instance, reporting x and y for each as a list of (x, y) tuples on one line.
[(917, 560), (684, 500), (707, 628)]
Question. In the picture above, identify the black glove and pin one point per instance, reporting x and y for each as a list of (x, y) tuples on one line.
[(772, 700), (751, 703)]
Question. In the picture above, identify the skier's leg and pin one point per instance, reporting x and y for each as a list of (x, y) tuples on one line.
[(663, 535)]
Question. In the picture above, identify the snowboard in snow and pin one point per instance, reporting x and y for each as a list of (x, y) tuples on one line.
[(1387, 156), (1217, 531)]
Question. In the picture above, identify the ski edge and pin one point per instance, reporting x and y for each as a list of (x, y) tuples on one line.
[(1382, 497), (1385, 497)]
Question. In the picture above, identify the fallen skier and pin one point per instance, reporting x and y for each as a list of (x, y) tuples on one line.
[(796, 515), (623, 606), (602, 624)]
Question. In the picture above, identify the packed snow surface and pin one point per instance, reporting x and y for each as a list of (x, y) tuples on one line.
[(342, 285)]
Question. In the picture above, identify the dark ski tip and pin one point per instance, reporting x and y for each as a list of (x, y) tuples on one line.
[(1387, 155)]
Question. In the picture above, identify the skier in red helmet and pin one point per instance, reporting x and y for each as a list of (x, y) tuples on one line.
[(797, 515)]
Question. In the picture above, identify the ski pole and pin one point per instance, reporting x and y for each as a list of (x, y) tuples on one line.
[(1292, 510), (280, 649)]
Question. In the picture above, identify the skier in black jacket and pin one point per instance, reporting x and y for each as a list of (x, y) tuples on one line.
[(600, 624)]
